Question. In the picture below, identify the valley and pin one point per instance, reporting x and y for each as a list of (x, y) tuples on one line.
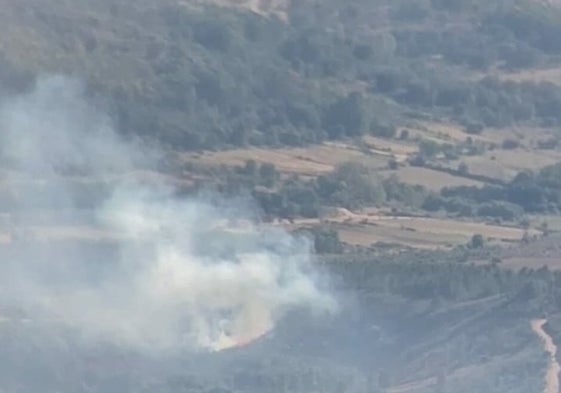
[(230, 196)]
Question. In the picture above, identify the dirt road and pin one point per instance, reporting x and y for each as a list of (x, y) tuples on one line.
[(552, 375)]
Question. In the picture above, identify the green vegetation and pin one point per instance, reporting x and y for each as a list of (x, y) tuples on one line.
[(528, 192), (353, 186), (350, 185), (212, 77)]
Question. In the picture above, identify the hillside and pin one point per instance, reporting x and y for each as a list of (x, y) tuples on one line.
[(227, 196), (200, 76), (426, 96)]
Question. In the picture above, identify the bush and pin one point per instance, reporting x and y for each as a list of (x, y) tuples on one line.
[(503, 210), (429, 148), (459, 206), (268, 174), (393, 164), (346, 115), (326, 241), (510, 144), (418, 160), (355, 185), (463, 168), (474, 128), (433, 203), (384, 131), (477, 241), (213, 34), (411, 196)]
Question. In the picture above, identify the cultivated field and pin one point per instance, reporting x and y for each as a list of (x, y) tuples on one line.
[(537, 75), (376, 152), (505, 164), (431, 179), (446, 132), (367, 228), (312, 161), (399, 149), (424, 232), (277, 8), (316, 160)]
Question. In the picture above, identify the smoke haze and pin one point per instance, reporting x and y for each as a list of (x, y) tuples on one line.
[(184, 275)]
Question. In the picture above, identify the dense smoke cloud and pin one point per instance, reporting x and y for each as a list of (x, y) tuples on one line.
[(184, 275)]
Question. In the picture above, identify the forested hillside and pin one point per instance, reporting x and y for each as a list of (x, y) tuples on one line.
[(421, 107), (206, 76)]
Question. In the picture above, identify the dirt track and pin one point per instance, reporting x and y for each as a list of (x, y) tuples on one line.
[(552, 375)]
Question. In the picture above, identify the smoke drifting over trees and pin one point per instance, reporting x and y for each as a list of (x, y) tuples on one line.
[(182, 277)]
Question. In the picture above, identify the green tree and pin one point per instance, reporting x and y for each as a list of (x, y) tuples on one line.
[(268, 174), (510, 144), (382, 130), (250, 168), (326, 241), (477, 241), (429, 148), (463, 168), (357, 185), (212, 33), (347, 114)]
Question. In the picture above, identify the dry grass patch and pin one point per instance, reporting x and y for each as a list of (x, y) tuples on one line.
[(368, 235), (431, 179), (454, 133), (553, 222), (312, 161), (446, 132), (449, 227), (527, 137), (277, 8), (487, 167), (505, 164), (399, 149), (552, 75), (418, 232)]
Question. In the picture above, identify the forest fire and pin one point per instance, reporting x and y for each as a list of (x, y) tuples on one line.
[(227, 342), (250, 324)]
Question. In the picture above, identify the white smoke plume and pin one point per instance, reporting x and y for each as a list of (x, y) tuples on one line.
[(183, 277)]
